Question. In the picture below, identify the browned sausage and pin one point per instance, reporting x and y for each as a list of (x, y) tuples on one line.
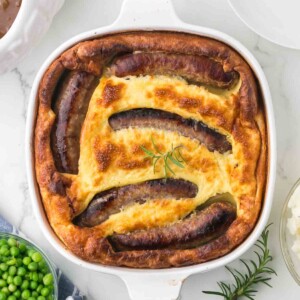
[(196, 230), (111, 201), (70, 106), (196, 69), (155, 118)]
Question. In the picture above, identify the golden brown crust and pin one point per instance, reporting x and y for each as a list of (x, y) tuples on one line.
[(244, 124)]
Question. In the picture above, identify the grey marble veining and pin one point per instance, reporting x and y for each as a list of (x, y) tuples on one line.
[(282, 68)]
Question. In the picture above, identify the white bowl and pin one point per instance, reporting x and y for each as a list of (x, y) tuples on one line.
[(31, 245), (32, 22), (287, 240), (152, 284), (276, 20)]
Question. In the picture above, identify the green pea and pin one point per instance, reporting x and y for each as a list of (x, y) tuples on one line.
[(19, 262), (5, 290), (34, 294), (17, 294), (25, 285), (33, 266), (3, 267), (25, 294), (45, 270), (12, 288), (22, 247), (39, 288), (11, 297), (12, 242), (14, 251), (5, 275), (11, 262), (42, 264), (48, 279), (37, 257), (35, 276), (41, 298), (4, 250), (30, 252), (33, 285), (12, 270), (41, 276), (26, 260), (2, 283), (10, 279), (21, 271), (3, 296), (45, 292), (17, 280), (3, 242)]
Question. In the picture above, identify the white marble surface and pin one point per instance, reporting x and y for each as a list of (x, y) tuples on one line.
[(282, 68)]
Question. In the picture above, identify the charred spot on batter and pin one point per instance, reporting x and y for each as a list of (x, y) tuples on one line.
[(105, 154), (112, 92)]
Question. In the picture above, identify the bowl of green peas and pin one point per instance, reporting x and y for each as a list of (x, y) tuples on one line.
[(25, 271)]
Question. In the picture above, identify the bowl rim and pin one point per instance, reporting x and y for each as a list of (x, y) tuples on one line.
[(282, 234), (45, 256), (30, 25), (268, 199)]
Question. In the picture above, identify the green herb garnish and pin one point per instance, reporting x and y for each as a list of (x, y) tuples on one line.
[(174, 156), (256, 272)]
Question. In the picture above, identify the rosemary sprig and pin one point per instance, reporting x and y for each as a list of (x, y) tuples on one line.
[(256, 272), (174, 156)]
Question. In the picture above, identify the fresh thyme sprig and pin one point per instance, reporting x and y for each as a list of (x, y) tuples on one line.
[(174, 156), (257, 272)]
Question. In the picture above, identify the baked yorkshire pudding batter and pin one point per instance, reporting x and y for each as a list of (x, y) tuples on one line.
[(105, 104)]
